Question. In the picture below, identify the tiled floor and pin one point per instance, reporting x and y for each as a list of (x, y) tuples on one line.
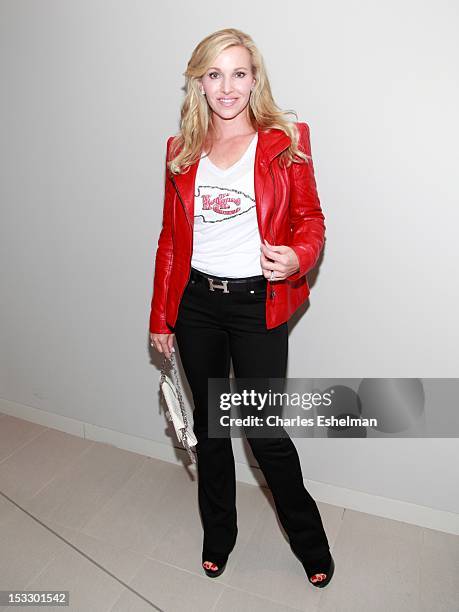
[(122, 533)]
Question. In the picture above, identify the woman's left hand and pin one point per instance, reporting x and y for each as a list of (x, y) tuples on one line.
[(282, 259)]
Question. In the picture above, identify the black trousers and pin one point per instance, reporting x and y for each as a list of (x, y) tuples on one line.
[(213, 328)]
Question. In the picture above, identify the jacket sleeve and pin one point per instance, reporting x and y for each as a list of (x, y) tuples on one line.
[(163, 261), (306, 217)]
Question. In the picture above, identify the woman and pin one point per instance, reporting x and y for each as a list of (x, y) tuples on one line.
[(242, 225)]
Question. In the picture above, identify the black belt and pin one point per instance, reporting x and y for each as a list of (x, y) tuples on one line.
[(227, 285)]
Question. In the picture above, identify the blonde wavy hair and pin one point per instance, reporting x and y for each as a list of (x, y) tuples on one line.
[(196, 116)]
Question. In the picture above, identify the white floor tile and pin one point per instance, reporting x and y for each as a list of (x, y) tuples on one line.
[(135, 524)]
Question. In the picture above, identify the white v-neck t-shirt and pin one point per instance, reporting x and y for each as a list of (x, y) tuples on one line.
[(226, 238)]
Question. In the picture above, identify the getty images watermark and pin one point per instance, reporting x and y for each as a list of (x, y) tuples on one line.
[(333, 408)]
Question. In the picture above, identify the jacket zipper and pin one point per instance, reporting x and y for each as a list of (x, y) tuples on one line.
[(185, 210), (272, 293)]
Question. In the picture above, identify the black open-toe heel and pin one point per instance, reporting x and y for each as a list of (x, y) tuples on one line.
[(213, 573), (322, 570), (219, 561)]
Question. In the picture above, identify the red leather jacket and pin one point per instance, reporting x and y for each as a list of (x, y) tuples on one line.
[(288, 213)]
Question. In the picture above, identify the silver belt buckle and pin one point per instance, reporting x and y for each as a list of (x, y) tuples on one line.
[(213, 285)]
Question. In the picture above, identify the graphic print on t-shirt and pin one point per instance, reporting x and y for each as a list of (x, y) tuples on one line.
[(215, 203), (226, 236)]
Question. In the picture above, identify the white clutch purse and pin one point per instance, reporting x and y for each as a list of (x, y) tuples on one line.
[(175, 411)]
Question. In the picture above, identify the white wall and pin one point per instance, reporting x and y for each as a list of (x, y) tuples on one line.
[(91, 91)]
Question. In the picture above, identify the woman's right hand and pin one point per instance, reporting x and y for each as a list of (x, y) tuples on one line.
[(163, 343)]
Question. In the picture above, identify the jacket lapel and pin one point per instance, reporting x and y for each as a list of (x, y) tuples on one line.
[(270, 143)]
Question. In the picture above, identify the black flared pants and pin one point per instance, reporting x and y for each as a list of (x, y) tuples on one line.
[(213, 328)]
